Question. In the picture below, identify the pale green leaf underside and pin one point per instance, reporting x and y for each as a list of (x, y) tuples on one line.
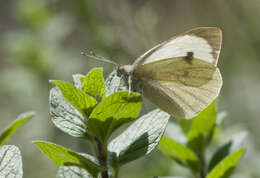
[(139, 139), (65, 157), (113, 111), (72, 172), (179, 153), (78, 80), (94, 84), (65, 116), (10, 162), (112, 83), (77, 98), (10, 130), (226, 166)]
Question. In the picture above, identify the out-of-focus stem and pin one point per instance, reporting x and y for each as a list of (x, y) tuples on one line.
[(202, 162)]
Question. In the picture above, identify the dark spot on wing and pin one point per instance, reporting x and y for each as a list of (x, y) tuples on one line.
[(189, 56)]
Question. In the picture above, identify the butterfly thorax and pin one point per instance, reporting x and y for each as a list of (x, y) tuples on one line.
[(129, 79)]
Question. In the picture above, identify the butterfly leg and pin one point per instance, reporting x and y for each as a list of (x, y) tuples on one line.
[(129, 85)]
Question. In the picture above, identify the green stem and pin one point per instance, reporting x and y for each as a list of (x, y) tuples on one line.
[(102, 157)]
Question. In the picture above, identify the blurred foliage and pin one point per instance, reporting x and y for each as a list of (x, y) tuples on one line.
[(42, 40), (10, 155)]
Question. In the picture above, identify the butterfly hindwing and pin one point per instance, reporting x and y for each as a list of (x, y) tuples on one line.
[(190, 72), (179, 100)]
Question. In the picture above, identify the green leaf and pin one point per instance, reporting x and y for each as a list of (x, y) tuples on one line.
[(234, 144), (219, 155), (77, 98), (202, 128), (112, 112), (65, 116), (94, 84), (112, 83), (185, 125), (225, 167), (10, 162), (10, 130), (139, 139), (65, 157), (72, 172), (178, 152)]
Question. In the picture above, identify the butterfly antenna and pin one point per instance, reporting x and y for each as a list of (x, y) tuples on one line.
[(99, 58)]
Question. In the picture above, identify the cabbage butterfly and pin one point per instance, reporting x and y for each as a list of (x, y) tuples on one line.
[(179, 75)]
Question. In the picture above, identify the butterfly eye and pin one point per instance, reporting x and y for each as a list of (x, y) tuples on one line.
[(120, 71)]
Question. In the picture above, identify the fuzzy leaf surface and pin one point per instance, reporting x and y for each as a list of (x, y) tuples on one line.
[(112, 83), (139, 139), (78, 80), (76, 97), (10, 162), (72, 172), (65, 116)]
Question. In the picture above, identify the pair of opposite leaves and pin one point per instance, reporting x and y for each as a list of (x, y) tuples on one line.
[(180, 75)]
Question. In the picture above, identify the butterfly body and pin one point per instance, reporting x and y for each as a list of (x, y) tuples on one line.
[(179, 75)]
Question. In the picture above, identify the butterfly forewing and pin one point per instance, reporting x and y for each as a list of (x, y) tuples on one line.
[(204, 43)]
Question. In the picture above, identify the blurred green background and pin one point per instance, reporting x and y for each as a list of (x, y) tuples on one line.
[(42, 40)]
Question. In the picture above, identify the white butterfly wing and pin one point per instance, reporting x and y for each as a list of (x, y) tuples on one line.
[(180, 87), (204, 42), (179, 100)]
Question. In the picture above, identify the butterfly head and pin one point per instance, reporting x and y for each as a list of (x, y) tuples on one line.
[(125, 70)]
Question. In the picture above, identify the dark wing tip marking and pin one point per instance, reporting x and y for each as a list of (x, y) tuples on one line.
[(213, 36)]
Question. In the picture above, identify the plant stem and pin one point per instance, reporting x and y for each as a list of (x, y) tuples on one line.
[(202, 162), (202, 175), (102, 157)]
